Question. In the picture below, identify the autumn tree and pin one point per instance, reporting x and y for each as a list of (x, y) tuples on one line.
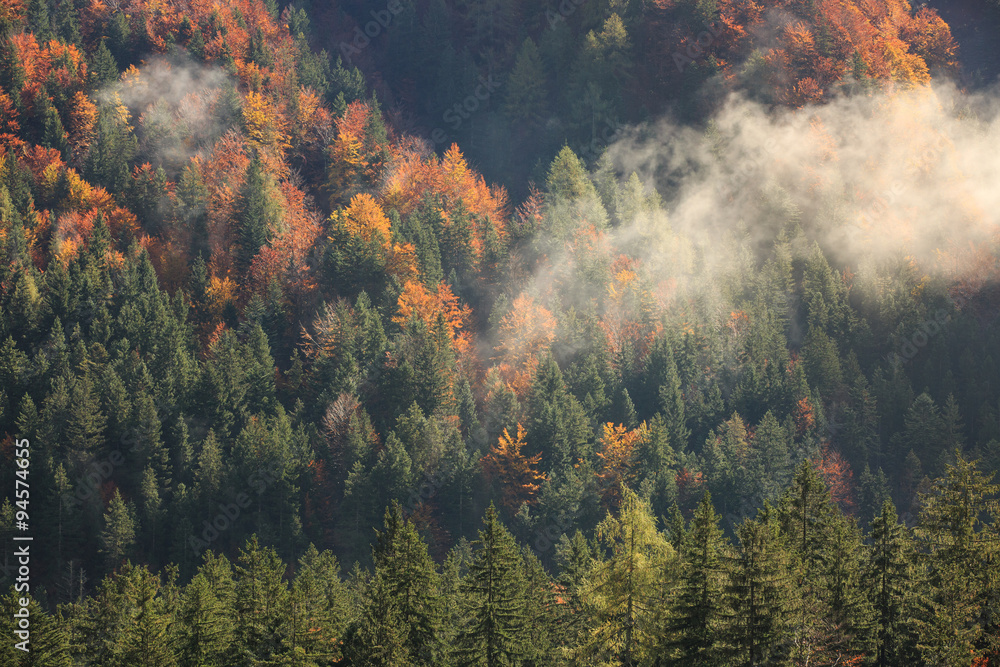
[(516, 473)]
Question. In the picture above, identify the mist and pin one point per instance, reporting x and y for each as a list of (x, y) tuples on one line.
[(178, 106), (903, 173)]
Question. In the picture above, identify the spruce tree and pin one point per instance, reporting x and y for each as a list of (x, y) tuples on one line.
[(259, 215), (411, 582), (698, 606), (48, 641), (204, 626), (320, 606), (526, 92), (120, 528), (39, 22), (957, 543), (756, 629), (889, 580), (68, 22), (261, 607), (378, 638), (494, 590)]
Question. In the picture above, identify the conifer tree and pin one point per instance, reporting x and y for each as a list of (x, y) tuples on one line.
[(320, 606), (378, 638), (526, 85), (48, 642), (625, 592), (204, 626), (411, 582), (698, 605), (557, 426), (494, 590), (120, 528), (957, 544), (756, 630), (127, 622), (68, 22), (261, 606), (39, 22), (889, 579), (260, 214)]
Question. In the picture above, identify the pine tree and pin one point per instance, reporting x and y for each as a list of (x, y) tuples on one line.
[(111, 152), (151, 508), (495, 596)]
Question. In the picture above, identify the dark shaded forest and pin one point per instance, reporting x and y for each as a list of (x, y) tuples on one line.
[(601, 332)]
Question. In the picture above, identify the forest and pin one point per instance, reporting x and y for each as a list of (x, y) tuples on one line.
[(490, 333)]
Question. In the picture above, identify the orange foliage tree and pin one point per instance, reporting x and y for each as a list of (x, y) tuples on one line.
[(617, 447), (356, 159), (364, 218), (517, 474), (265, 127), (836, 471), (454, 183), (526, 332)]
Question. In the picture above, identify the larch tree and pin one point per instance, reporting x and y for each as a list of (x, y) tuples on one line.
[(625, 591)]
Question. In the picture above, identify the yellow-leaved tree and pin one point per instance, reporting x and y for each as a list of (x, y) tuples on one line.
[(625, 594), (516, 474)]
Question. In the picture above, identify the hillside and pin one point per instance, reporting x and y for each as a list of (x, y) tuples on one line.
[(503, 334)]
